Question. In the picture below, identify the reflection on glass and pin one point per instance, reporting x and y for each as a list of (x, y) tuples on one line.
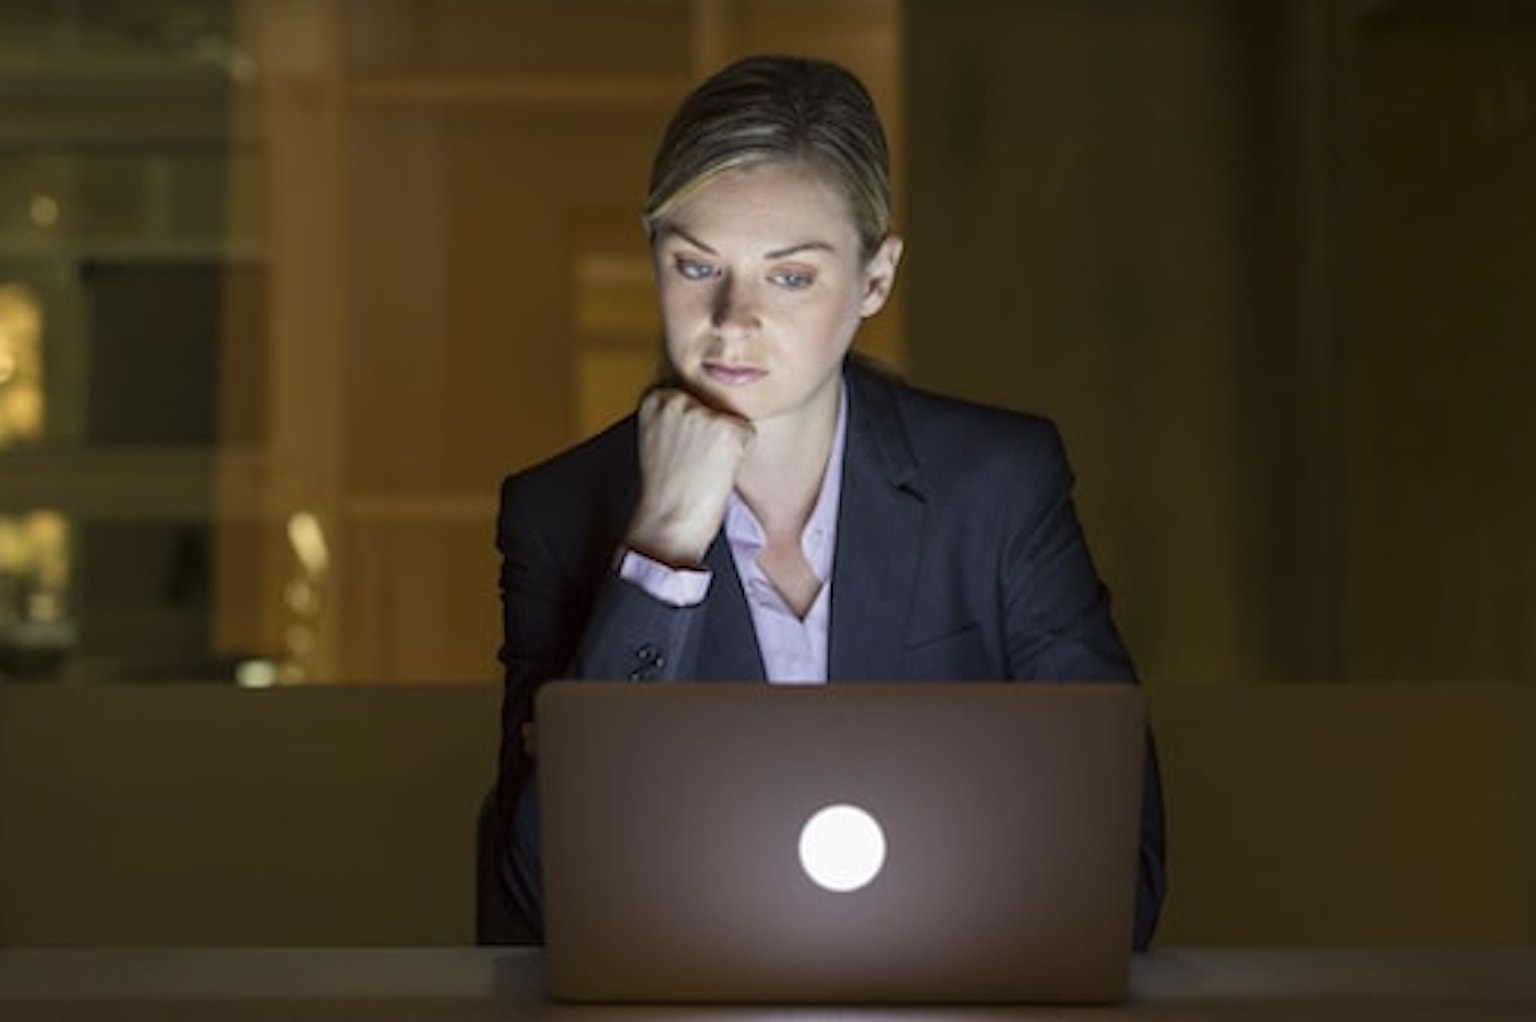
[(35, 629), (311, 556), (44, 210), (35, 632), (116, 256), (22, 405)]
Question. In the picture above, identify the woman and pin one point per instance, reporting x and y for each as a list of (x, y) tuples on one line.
[(776, 509)]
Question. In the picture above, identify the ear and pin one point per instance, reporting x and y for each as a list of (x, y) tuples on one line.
[(880, 275)]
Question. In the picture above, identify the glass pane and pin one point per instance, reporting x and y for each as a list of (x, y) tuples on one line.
[(122, 297)]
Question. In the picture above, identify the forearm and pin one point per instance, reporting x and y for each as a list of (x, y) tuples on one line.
[(633, 635)]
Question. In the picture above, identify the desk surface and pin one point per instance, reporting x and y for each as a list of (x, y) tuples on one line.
[(450, 984)]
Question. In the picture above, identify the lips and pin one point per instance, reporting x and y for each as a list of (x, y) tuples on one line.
[(732, 375)]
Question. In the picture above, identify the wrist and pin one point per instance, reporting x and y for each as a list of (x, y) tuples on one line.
[(675, 544)]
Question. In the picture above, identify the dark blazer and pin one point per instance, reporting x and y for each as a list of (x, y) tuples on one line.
[(959, 556)]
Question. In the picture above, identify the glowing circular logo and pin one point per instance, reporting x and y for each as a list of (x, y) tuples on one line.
[(842, 848)]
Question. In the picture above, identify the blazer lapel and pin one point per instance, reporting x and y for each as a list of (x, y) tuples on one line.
[(879, 538), (728, 649)]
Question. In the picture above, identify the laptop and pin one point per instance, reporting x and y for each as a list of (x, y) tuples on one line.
[(857, 842)]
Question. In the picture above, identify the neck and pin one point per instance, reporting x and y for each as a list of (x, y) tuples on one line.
[(781, 477)]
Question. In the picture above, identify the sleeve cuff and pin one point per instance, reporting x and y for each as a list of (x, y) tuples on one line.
[(677, 587)]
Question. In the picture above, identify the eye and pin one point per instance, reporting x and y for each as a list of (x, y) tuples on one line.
[(693, 269), (793, 280)]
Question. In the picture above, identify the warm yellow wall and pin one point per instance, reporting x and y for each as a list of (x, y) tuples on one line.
[(163, 815)]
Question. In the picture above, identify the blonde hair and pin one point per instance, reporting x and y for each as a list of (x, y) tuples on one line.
[(772, 107)]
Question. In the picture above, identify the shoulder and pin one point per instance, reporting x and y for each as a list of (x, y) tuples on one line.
[(951, 439), (941, 420)]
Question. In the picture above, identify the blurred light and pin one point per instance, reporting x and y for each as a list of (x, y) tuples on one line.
[(300, 641), (215, 49), (307, 538), (44, 606), (22, 400), (44, 210), (256, 674), (302, 598)]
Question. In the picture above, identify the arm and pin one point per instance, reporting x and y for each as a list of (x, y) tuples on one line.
[(565, 613), (565, 610), (1060, 629)]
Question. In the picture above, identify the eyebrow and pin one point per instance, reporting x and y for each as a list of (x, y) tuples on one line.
[(779, 253)]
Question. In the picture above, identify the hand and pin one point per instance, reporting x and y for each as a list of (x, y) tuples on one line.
[(689, 456)]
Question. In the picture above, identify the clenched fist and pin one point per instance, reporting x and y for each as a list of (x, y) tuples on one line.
[(690, 454)]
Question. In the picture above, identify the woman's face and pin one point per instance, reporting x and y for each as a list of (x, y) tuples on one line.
[(762, 286)]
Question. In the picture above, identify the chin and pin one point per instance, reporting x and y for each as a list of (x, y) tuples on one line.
[(728, 403), (724, 398)]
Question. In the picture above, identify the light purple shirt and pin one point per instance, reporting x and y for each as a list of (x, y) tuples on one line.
[(794, 649)]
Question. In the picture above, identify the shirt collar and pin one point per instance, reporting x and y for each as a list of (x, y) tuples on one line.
[(818, 540)]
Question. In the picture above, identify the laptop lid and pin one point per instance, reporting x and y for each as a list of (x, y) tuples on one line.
[(853, 842)]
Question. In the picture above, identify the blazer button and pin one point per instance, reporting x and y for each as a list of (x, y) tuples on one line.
[(646, 662)]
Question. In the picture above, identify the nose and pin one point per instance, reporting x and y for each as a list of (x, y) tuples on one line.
[(735, 309)]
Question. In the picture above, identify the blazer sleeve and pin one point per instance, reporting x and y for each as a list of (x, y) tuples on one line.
[(1059, 628), (565, 614), (1056, 608)]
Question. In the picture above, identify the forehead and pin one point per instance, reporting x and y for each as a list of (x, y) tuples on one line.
[(779, 200)]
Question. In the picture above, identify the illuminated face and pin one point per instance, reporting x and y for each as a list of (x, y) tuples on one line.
[(762, 287)]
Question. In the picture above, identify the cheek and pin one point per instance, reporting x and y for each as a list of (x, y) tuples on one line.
[(839, 322), (671, 307), (680, 305), (679, 328)]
